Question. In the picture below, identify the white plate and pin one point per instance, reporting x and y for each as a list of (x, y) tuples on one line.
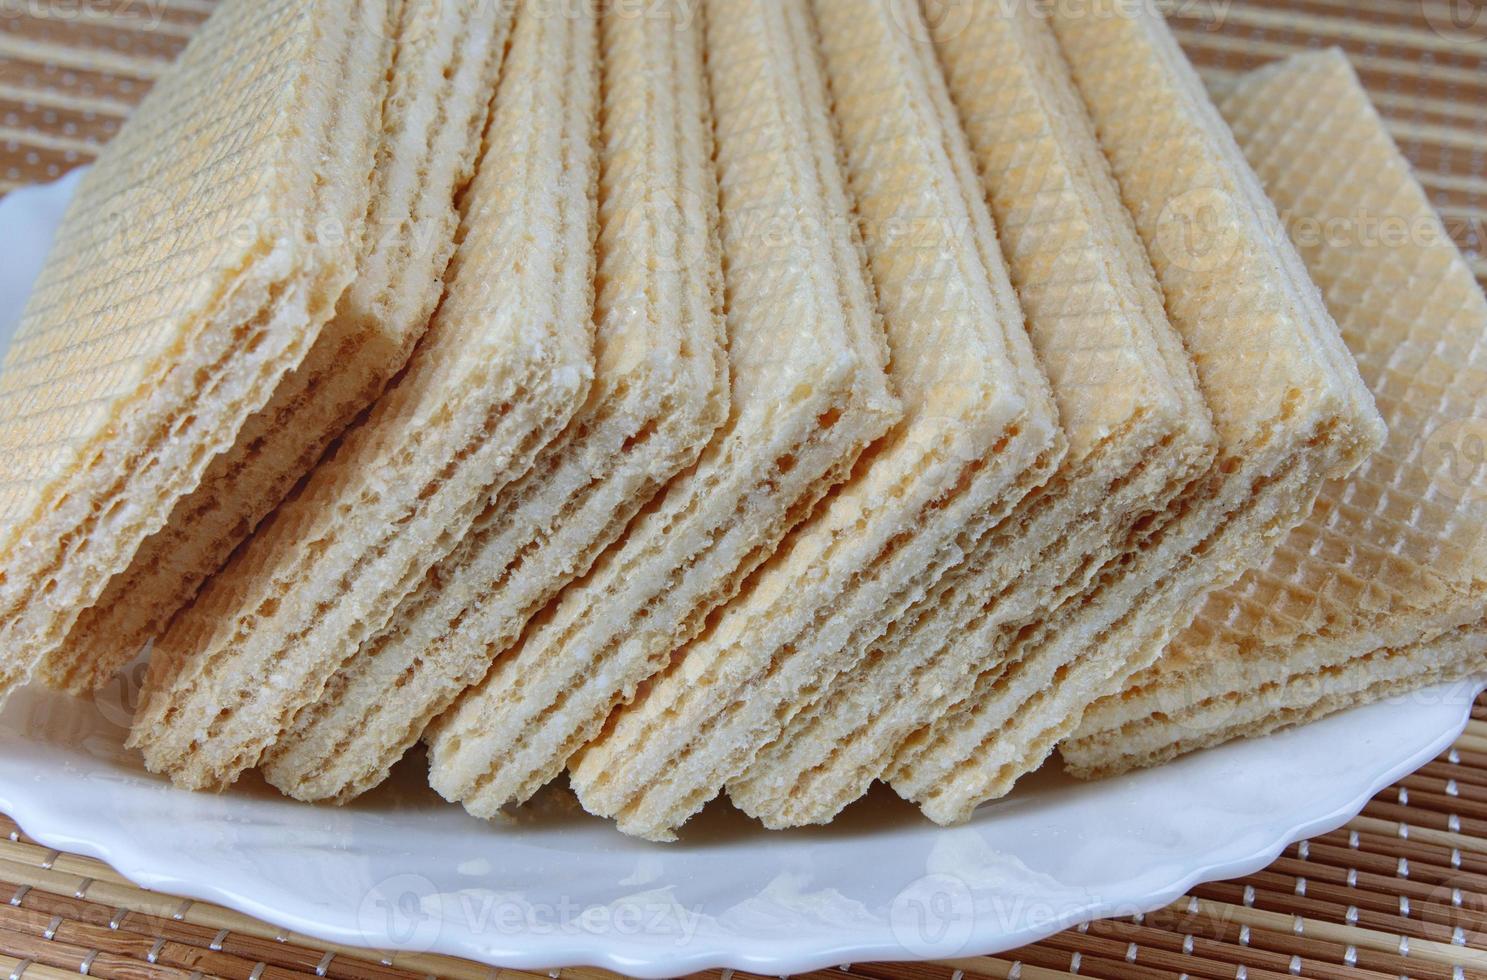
[(400, 869)]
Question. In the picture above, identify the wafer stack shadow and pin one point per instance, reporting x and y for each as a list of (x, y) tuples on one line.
[(737, 395)]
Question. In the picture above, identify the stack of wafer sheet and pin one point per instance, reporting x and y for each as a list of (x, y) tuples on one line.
[(738, 397), (1385, 584)]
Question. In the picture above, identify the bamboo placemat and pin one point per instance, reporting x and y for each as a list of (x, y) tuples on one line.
[(1400, 891)]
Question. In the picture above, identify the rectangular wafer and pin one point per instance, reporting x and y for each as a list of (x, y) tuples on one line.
[(659, 392), (1251, 707), (980, 431), (1351, 603), (443, 77), (500, 371), (1289, 408), (198, 262), (809, 392), (1138, 430)]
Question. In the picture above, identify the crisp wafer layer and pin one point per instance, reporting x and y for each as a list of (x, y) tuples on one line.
[(443, 76), (980, 431), (1390, 557), (1457, 655), (198, 262), (1138, 430), (499, 373), (1288, 405), (659, 392), (809, 392)]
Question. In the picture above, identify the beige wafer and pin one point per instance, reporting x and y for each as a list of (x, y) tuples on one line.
[(980, 431), (502, 368), (659, 392), (809, 392), (444, 74), (1288, 405), (1392, 556), (1256, 707), (197, 264), (1138, 430)]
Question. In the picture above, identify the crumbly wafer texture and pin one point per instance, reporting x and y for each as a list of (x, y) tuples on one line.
[(659, 392), (1037, 690), (1288, 404), (1391, 556), (980, 431), (809, 392), (443, 76), (1138, 430), (197, 264), (1456, 655), (499, 373)]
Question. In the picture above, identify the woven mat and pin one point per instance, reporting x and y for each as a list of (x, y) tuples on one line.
[(1400, 891)]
